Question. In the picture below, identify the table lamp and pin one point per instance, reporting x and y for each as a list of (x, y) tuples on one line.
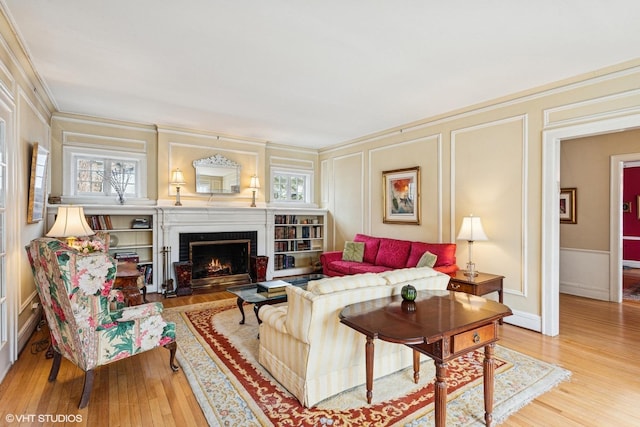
[(471, 231), (70, 224), (177, 179), (254, 185)]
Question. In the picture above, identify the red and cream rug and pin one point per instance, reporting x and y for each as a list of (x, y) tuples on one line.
[(219, 358)]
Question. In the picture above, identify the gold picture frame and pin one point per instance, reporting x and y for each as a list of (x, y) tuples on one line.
[(37, 183), (568, 208), (401, 195)]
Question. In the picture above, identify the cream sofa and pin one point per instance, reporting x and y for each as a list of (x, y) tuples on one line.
[(314, 356)]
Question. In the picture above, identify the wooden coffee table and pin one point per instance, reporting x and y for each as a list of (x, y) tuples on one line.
[(444, 325)]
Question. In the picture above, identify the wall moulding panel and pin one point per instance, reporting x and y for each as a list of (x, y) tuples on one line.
[(101, 141), (425, 152), (484, 185), (612, 105)]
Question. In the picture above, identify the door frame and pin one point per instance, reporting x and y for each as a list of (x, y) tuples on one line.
[(550, 239)]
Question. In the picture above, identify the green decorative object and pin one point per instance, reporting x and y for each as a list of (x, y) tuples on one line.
[(409, 293)]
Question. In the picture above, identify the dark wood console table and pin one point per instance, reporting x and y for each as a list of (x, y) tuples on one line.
[(441, 324)]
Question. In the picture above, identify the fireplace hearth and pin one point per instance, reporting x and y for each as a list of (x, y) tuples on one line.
[(219, 260)]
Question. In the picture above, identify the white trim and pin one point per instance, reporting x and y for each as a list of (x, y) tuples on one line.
[(551, 140)]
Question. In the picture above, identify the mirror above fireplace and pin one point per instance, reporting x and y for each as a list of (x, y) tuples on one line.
[(217, 175)]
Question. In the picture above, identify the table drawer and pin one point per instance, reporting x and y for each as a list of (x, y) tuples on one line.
[(474, 338), (461, 287)]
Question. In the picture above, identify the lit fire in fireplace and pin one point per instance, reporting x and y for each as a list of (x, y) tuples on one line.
[(216, 268)]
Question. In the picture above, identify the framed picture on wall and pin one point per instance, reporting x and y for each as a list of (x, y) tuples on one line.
[(568, 209), (401, 195)]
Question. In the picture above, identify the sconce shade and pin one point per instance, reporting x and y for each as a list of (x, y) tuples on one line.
[(255, 182), (177, 177), (70, 222), (471, 229)]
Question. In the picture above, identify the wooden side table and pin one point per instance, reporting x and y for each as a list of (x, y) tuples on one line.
[(129, 279), (479, 285)]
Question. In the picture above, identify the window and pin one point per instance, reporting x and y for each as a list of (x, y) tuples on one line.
[(292, 186), (97, 174)]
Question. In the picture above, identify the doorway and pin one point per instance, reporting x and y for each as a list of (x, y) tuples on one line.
[(631, 230), (550, 238)]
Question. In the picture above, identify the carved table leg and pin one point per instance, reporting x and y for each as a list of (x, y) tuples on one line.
[(369, 367), (256, 308), (440, 403), (240, 301), (489, 366), (416, 366)]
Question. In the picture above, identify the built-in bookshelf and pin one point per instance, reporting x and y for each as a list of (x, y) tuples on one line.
[(131, 235), (298, 241)]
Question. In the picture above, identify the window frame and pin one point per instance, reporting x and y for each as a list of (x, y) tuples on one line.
[(69, 181), (308, 175)]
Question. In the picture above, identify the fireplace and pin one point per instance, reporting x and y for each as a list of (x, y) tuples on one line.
[(218, 259)]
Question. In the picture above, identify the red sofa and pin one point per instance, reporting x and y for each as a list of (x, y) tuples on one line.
[(381, 254)]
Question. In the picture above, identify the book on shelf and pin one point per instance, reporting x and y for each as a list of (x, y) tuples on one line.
[(147, 272), (140, 223), (127, 257), (99, 222), (273, 287)]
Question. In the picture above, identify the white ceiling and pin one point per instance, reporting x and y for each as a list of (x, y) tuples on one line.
[(310, 73)]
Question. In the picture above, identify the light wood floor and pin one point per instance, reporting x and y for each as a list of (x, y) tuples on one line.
[(599, 342)]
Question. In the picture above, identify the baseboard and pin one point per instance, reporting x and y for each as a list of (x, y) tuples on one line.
[(24, 334), (524, 320)]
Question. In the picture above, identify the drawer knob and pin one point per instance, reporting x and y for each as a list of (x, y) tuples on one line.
[(476, 338), (455, 285)]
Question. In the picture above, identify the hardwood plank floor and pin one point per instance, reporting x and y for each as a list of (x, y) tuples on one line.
[(599, 342)]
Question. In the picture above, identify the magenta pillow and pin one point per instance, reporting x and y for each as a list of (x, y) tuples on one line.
[(370, 247), (393, 253), (446, 253)]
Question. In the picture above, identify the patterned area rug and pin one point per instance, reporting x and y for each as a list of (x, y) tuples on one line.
[(632, 292), (219, 358)]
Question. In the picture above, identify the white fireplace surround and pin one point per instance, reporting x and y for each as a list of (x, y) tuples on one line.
[(174, 221)]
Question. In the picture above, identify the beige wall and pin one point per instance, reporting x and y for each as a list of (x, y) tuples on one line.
[(585, 165), (28, 118), (484, 159)]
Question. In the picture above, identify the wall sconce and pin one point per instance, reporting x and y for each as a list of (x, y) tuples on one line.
[(177, 179), (471, 230), (70, 224), (254, 185)]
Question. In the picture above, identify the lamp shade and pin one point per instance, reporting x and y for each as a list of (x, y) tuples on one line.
[(255, 182), (70, 222), (471, 229), (177, 177)]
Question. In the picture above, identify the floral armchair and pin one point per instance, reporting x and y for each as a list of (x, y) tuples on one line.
[(88, 321)]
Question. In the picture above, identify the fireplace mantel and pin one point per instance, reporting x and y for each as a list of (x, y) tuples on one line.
[(174, 220)]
